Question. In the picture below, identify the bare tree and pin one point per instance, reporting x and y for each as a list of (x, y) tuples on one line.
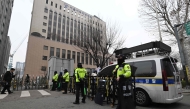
[(170, 12), (101, 42)]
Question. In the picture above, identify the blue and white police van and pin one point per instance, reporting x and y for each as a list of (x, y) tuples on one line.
[(157, 78)]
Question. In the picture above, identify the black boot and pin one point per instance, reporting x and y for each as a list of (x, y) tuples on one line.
[(83, 100), (76, 102)]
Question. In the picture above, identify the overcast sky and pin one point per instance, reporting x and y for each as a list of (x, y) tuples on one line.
[(125, 12)]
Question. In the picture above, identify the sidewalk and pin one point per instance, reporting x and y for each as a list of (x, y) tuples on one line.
[(185, 90)]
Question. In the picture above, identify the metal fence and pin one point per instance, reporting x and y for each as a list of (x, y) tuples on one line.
[(17, 84), (92, 84)]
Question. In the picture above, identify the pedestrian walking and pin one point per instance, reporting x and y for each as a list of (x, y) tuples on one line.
[(7, 78), (80, 75), (66, 78), (54, 80)]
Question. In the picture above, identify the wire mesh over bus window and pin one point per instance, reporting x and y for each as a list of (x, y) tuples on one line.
[(145, 68)]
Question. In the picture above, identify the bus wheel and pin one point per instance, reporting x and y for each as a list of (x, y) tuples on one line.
[(142, 98)]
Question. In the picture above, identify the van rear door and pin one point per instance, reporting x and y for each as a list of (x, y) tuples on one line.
[(170, 70)]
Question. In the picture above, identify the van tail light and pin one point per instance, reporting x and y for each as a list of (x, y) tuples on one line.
[(165, 80)]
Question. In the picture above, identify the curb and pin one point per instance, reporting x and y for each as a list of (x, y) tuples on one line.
[(186, 92)]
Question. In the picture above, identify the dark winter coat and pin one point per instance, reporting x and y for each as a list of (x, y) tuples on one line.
[(8, 76)]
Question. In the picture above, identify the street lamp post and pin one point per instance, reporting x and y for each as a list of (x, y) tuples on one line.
[(181, 52)]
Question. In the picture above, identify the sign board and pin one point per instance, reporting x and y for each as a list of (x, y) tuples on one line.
[(187, 28)]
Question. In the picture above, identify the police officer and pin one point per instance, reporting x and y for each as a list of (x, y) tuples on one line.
[(123, 71), (66, 78), (54, 80), (80, 75)]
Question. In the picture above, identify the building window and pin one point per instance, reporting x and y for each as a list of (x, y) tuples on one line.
[(45, 24), (63, 53), (73, 55), (59, 29), (51, 3), (46, 10), (86, 59), (68, 54), (44, 57), (43, 30), (78, 57), (54, 26), (45, 17), (55, 5), (45, 47), (43, 68), (58, 52), (67, 31), (82, 58), (46, 1), (49, 33), (51, 51), (90, 60), (63, 29), (60, 7)]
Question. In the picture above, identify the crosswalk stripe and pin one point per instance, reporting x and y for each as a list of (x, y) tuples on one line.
[(44, 92), (3, 95), (25, 94)]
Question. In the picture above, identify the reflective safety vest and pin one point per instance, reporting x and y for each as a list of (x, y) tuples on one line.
[(81, 72), (125, 70), (66, 77), (55, 77)]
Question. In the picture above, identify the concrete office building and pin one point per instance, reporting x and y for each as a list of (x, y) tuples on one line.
[(5, 16), (58, 29)]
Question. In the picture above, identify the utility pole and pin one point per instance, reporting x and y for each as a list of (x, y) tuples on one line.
[(181, 52)]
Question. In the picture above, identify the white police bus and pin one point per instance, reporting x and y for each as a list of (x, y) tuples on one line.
[(157, 79)]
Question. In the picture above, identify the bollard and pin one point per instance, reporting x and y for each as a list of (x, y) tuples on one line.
[(32, 83), (36, 83), (89, 85), (93, 88)]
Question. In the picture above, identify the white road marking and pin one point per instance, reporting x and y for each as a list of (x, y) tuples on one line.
[(3, 95), (25, 94), (44, 92)]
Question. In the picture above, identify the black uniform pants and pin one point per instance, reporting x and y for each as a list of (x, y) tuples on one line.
[(119, 93), (80, 87), (6, 87), (65, 86), (54, 85)]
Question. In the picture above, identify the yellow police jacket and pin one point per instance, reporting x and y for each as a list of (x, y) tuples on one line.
[(66, 77), (55, 77), (81, 72), (125, 70)]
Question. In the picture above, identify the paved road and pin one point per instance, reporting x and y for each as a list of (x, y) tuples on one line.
[(56, 100)]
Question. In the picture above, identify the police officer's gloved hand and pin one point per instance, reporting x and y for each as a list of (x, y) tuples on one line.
[(121, 76)]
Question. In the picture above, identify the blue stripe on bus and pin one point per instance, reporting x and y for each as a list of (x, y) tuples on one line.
[(153, 81)]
